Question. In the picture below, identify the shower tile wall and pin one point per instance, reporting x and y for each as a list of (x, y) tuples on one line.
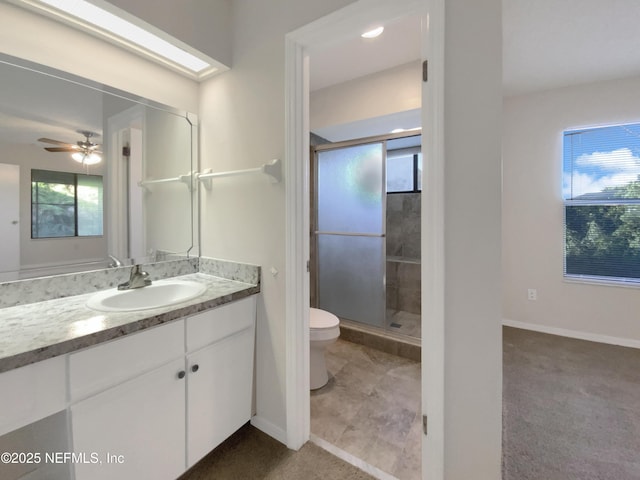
[(403, 252)]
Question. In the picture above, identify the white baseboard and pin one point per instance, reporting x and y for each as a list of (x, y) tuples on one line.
[(563, 332), (269, 428)]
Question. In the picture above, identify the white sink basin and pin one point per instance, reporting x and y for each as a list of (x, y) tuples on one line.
[(161, 293)]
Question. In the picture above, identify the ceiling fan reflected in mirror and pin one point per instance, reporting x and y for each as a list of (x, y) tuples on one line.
[(84, 151)]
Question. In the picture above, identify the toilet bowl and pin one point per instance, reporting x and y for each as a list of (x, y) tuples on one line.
[(324, 330)]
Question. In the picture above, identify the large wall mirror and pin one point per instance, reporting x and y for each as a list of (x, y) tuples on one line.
[(88, 174)]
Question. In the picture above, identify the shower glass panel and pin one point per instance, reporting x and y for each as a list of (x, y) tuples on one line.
[(350, 277), (351, 228)]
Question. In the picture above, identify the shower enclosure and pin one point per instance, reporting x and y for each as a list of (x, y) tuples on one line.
[(366, 231)]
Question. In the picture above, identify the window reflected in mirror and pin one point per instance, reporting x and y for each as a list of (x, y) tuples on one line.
[(66, 204)]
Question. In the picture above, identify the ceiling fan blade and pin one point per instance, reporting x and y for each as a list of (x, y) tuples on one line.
[(60, 149), (50, 140)]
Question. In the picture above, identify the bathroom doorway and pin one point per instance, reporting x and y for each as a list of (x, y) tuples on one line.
[(301, 48), (365, 224)]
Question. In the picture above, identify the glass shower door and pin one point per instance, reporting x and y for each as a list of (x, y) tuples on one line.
[(351, 230)]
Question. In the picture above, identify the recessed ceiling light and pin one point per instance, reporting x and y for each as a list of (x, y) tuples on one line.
[(373, 33), (116, 28)]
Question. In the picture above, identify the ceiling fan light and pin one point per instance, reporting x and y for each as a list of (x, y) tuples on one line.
[(92, 159), (86, 158)]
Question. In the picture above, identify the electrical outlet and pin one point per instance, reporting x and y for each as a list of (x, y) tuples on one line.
[(532, 294)]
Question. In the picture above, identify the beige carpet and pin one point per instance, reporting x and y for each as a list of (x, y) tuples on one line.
[(250, 454), (571, 409)]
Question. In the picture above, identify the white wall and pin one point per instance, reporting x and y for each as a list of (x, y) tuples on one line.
[(395, 90), (473, 340), (533, 211), (243, 218)]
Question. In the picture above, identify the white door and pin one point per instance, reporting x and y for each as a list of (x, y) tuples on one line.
[(9, 217), (219, 394)]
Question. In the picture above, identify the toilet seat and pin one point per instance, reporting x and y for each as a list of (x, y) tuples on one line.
[(323, 325), (319, 319)]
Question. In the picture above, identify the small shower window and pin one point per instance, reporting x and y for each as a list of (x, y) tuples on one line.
[(404, 171)]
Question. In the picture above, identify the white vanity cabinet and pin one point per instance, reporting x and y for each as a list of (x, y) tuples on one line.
[(151, 404)]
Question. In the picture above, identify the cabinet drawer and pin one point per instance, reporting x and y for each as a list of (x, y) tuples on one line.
[(97, 368), (30, 393), (213, 325)]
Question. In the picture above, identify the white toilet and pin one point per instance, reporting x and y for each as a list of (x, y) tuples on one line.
[(324, 330)]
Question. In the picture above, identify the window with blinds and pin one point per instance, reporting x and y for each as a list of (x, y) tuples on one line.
[(601, 192), (65, 204)]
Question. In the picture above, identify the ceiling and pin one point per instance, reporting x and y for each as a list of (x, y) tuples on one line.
[(546, 44), (556, 43), (34, 105), (398, 44)]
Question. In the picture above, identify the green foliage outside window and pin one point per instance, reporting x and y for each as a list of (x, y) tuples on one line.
[(604, 240)]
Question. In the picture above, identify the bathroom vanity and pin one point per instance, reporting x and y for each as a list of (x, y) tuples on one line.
[(146, 394)]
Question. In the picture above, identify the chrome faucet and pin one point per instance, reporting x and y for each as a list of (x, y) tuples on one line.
[(115, 262), (137, 279)]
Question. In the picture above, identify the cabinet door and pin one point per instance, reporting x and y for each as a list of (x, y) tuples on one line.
[(134, 430), (219, 392)]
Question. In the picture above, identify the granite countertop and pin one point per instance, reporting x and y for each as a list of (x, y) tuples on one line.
[(38, 331)]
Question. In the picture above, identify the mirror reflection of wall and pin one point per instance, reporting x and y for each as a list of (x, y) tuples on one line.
[(135, 140)]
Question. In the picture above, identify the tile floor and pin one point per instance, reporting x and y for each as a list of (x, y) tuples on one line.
[(371, 408)]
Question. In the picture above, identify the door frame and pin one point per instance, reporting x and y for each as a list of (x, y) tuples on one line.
[(299, 45), (118, 135)]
